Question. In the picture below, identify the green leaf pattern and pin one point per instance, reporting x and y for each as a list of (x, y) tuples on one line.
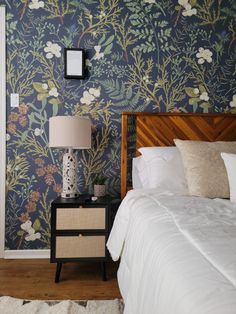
[(141, 55)]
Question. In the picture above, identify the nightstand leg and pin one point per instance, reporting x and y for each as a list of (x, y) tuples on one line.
[(58, 272), (104, 274)]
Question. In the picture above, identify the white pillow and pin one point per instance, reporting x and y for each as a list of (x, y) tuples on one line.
[(165, 169), (230, 164), (139, 173)]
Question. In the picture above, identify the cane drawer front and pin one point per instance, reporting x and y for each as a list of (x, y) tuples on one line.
[(81, 246), (81, 218)]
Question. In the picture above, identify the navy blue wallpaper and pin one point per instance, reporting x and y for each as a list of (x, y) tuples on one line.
[(152, 55)]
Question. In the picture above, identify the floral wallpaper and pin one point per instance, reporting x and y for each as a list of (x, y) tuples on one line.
[(141, 55)]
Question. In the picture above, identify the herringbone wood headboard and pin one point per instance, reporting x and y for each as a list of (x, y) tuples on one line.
[(160, 129)]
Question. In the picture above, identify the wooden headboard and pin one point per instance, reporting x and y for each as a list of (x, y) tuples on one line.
[(160, 129)]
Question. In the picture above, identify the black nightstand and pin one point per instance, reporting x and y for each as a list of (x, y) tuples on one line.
[(79, 230)]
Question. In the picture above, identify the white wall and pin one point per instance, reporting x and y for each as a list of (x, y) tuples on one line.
[(2, 127)]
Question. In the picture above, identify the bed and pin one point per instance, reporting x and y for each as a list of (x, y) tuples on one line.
[(177, 252)]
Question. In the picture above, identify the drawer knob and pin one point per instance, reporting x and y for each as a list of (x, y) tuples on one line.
[(80, 235)]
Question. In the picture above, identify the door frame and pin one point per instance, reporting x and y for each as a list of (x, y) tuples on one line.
[(2, 127)]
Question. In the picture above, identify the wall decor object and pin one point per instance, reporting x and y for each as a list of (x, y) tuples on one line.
[(74, 63), (72, 133)]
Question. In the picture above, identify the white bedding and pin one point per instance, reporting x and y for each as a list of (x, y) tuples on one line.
[(178, 254)]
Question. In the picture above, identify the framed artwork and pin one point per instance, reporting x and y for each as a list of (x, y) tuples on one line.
[(74, 63)]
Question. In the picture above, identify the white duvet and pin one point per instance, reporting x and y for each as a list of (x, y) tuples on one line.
[(178, 254)]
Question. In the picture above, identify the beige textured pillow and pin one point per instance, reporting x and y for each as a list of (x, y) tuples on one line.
[(204, 168)]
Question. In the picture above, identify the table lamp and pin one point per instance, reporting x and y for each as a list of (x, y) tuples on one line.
[(71, 133)]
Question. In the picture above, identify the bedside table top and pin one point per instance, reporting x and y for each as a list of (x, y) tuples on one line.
[(85, 199)]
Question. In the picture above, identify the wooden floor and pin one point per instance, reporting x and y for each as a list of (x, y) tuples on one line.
[(34, 279)]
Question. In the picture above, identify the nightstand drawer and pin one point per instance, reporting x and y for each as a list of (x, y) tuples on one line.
[(80, 246), (80, 218)]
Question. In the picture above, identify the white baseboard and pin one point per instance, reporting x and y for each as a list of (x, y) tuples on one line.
[(26, 254)]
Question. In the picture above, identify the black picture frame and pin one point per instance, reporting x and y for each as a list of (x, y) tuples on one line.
[(74, 63)]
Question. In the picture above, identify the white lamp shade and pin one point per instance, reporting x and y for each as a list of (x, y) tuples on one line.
[(70, 132)]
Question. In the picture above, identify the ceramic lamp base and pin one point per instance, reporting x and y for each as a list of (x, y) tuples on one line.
[(69, 175), (69, 195)]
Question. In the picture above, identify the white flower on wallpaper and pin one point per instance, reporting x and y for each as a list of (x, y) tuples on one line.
[(45, 86), (87, 98), (95, 91), (204, 96), (184, 3), (31, 236), (204, 55), (38, 132), (8, 137), (188, 10), (53, 92), (90, 95), (98, 54), (233, 102), (150, 1), (196, 91), (52, 50), (36, 4), (26, 225)]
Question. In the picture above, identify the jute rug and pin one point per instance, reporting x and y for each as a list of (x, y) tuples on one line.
[(10, 305)]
